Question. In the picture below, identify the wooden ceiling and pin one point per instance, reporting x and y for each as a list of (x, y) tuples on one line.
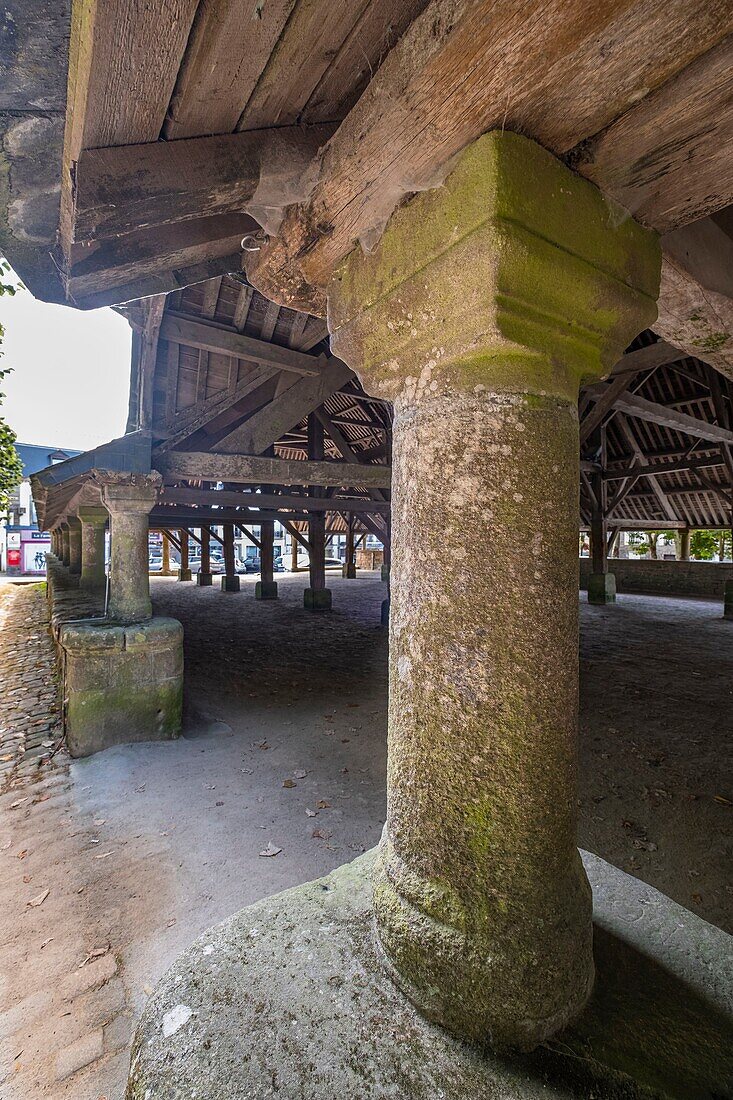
[(188, 124)]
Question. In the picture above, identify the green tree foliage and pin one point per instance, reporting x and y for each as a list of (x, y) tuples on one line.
[(11, 469), (705, 545), (647, 542)]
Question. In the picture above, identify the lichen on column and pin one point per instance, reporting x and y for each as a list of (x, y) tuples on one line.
[(485, 306), (93, 526), (129, 499)]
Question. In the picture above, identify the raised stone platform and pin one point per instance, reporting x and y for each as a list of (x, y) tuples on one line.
[(289, 998)]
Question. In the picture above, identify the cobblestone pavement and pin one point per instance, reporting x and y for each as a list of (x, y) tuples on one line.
[(30, 719), (64, 1020)]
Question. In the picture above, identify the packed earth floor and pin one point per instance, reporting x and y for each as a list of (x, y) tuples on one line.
[(111, 866)]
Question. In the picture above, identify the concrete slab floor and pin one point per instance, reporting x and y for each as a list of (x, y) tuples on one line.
[(163, 840)]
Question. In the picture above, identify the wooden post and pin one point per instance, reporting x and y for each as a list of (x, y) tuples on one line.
[(230, 580), (203, 577), (293, 554), (685, 544), (350, 563), (317, 597), (601, 583), (184, 573), (166, 562), (266, 587)]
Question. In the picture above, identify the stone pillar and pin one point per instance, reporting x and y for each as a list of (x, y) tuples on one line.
[(74, 546), (129, 498), (728, 600), (93, 526), (266, 587), (485, 305), (349, 570), (184, 573), (203, 577), (685, 544), (230, 580), (65, 544)]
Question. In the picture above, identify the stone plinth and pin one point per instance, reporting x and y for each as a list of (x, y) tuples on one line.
[(728, 600), (293, 991), (266, 590), (230, 583), (317, 599), (123, 683), (601, 588), (204, 580), (184, 574)]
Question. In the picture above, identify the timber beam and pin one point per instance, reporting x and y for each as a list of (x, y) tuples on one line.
[(259, 470), (180, 329), (639, 407), (214, 498)]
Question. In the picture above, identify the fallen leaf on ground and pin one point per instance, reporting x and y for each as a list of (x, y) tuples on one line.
[(320, 835), (21, 855), (271, 850), (290, 783), (38, 900), (100, 821), (310, 813), (102, 855), (95, 954), (722, 800), (171, 922), (5, 845), (46, 942), (300, 774), (18, 802), (323, 805)]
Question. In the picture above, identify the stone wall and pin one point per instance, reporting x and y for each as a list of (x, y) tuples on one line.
[(671, 578), (122, 683)]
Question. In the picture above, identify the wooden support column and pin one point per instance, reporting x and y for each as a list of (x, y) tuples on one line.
[(230, 579), (184, 573), (349, 570), (204, 577), (685, 544), (601, 583), (166, 562), (317, 597), (266, 587)]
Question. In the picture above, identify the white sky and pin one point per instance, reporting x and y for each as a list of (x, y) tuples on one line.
[(71, 376)]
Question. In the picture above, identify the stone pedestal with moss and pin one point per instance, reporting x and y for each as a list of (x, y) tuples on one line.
[(601, 588), (123, 683)]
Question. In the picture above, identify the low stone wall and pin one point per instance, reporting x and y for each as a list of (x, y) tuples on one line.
[(121, 683), (665, 578)]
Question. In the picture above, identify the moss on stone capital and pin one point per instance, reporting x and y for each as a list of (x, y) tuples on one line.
[(516, 274)]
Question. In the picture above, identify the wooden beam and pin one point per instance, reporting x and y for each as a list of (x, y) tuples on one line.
[(636, 451), (544, 71), (684, 465), (256, 470), (126, 188), (639, 407), (613, 390), (141, 385), (659, 354), (182, 330), (286, 409), (185, 423), (223, 498), (667, 160)]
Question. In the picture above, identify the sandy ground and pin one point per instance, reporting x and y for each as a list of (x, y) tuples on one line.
[(143, 847)]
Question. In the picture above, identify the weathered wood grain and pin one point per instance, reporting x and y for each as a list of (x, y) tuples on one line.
[(256, 470), (226, 499), (230, 45), (668, 159), (196, 334), (559, 71)]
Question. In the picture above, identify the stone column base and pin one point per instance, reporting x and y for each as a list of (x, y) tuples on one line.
[(317, 599), (385, 573), (601, 588), (123, 683), (204, 580), (349, 571), (230, 584), (385, 613), (184, 574), (658, 1023), (266, 590), (728, 601)]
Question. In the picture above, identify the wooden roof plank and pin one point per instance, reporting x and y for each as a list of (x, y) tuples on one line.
[(461, 69), (258, 470), (184, 330)]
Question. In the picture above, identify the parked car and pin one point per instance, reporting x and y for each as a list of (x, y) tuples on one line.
[(331, 563), (253, 565)]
